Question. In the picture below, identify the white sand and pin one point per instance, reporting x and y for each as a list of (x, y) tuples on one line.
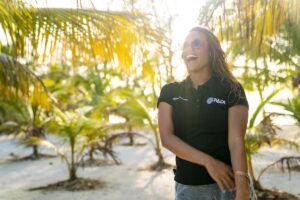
[(122, 182)]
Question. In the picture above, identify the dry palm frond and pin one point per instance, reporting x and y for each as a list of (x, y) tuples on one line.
[(263, 133), (284, 163)]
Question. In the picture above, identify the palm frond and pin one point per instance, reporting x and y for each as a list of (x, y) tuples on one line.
[(263, 133), (252, 32), (91, 36), (279, 141), (284, 163), (262, 104), (18, 81), (292, 106)]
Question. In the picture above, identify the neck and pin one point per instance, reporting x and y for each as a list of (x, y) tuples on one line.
[(200, 77)]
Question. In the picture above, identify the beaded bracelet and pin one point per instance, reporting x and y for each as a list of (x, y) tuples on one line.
[(241, 173)]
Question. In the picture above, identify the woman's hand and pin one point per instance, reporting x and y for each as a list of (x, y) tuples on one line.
[(221, 173)]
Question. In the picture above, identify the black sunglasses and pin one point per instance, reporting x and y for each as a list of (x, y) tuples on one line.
[(196, 44)]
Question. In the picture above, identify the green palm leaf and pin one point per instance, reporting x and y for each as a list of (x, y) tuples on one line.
[(262, 104)]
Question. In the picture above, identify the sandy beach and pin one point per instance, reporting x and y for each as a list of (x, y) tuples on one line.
[(124, 181)]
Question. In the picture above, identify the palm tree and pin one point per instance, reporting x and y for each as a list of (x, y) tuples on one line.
[(263, 133), (70, 126), (25, 100), (138, 114), (25, 121), (84, 36), (136, 109), (76, 36)]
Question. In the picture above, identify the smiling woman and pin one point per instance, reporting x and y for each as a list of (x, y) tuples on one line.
[(203, 120)]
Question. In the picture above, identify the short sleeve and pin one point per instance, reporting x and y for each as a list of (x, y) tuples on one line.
[(237, 97), (165, 94)]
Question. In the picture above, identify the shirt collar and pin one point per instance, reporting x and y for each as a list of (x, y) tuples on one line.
[(208, 84)]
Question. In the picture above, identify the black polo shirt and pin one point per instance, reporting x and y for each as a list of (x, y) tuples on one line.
[(200, 118)]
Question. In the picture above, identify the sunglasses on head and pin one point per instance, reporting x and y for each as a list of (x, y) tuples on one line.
[(195, 44)]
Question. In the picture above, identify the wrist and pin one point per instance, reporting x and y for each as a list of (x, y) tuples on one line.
[(206, 161), (240, 180), (242, 187), (242, 190), (242, 196)]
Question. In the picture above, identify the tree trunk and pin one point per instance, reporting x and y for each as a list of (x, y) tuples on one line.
[(130, 135), (72, 173), (158, 149), (256, 183), (131, 140), (35, 151), (160, 156), (91, 153), (72, 169)]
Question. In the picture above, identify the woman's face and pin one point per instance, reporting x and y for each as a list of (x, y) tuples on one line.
[(195, 52)]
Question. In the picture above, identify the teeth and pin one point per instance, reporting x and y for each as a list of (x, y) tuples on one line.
[(191, 56)]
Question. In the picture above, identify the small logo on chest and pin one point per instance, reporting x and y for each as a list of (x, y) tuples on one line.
[(211, 100), (179, 98)]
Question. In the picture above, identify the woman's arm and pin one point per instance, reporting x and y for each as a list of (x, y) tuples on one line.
[(219, 171), (237, 125)]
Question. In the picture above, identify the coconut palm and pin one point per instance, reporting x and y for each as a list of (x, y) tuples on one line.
[(24, 121), (75, 36), (138, 113), (263, 133), (136, 109), (69, 126), (25, 101), (83, 91), (82, 36)]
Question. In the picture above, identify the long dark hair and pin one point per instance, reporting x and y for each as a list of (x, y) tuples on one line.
[(217, 61)]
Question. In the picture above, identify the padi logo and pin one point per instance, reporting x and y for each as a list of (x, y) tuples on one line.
[(210, 100)]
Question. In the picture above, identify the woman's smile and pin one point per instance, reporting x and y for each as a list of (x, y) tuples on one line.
[(191, 58)]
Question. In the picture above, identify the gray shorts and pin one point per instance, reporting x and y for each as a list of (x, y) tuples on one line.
[(201, 192)]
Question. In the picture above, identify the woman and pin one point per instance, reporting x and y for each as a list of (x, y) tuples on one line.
[(203, 120)]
